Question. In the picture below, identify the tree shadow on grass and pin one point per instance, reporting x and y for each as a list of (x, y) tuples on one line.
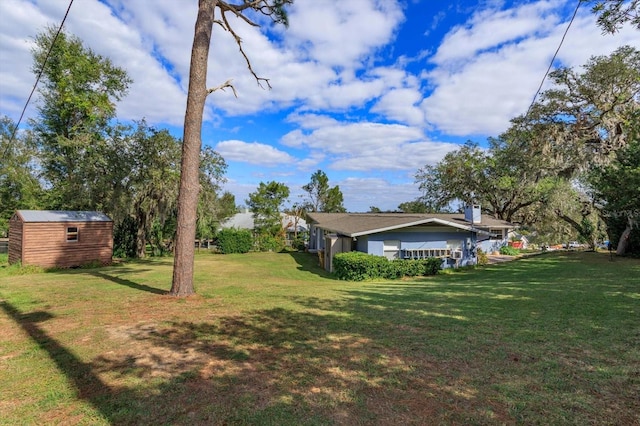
[(470, 351), (272, 366), (127, 283), (308, 262)]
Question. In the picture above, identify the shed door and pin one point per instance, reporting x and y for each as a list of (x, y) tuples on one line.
[(392, 249)]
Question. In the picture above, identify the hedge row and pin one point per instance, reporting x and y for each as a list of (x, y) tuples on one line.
[(358, 266), (233, 240)]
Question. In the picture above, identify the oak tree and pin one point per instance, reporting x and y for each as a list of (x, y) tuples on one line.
[(78, 91)]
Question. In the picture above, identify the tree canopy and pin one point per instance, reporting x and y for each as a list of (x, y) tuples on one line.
[(19, 184), (78, 90), (616, 188), (266, 203), (321, 197), (613, 14)]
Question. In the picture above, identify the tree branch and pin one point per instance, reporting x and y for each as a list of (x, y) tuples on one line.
[(222, 87), (246, 58)]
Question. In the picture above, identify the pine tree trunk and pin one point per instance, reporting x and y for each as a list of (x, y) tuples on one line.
[(189, 184)]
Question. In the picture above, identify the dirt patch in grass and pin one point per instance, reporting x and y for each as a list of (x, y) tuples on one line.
[(342, 378)]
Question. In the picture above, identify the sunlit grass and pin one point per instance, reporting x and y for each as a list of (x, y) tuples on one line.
[(272, 339)]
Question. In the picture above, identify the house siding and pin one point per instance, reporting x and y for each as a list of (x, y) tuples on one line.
[(424, 238), (492, 245), (362, 244)]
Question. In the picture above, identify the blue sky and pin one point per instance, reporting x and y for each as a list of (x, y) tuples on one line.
[(368, 91)]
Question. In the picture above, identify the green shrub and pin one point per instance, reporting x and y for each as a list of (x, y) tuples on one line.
[(267, 242), (432, 265), (234, 241), (509, 251), (483, 259), (298, 243), (358, 266)]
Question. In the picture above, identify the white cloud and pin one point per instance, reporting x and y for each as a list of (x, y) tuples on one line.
[(16, 79), (478, 86), (401, 105), (342, 33), (369, 146), (253, 153), (490, 28), (352, 106)]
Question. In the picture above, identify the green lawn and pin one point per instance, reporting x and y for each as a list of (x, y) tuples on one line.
[(271, 339)]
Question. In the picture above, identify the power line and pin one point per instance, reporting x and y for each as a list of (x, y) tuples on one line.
[(44, 63), (533, 101)]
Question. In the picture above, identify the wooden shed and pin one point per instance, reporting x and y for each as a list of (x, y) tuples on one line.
[(56, 238)]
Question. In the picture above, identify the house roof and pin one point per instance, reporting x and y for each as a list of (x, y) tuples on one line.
[(62, 216), (357, 224)]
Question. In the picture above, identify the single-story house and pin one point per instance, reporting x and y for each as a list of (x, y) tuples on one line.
[(57, 238), (452, 237), (293, 225)]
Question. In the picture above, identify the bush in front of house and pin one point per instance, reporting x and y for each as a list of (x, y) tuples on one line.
[(483, 259), (358, 266), (268, 242), (234, 241), (509, 251), (431, 265)]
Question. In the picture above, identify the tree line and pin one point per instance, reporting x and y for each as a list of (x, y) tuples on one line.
[(269, 200)]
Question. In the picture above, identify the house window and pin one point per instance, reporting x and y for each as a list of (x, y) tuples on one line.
[(499, 234), (72, 233)]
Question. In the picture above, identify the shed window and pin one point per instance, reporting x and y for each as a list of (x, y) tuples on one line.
[(72, 233)]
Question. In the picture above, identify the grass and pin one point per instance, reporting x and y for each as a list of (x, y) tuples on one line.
[(272, 339)]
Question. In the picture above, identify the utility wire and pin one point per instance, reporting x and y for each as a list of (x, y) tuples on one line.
[(44, 63), (533, 101)]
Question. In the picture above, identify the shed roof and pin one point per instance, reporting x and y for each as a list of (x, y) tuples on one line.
[(62, 216), (356, 224)]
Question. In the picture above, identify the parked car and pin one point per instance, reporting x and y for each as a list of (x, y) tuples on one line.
[(573, 245)]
